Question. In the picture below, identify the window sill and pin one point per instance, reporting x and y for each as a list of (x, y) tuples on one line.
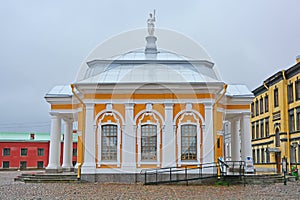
[(189, 163)]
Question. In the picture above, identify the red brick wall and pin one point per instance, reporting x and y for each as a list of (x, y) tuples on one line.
[(32, 153)]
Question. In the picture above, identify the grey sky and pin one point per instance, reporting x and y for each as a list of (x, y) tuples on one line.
[(42, 44)]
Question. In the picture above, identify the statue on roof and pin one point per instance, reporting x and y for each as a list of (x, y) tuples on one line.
[(150, 22)]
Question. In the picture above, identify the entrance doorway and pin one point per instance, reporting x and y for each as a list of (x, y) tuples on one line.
[(278, 161)]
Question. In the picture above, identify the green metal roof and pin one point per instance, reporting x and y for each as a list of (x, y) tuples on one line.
[(25, 136)]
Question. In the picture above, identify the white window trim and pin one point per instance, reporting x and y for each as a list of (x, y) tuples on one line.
[(100, 124), (139, 133), (180, 123)]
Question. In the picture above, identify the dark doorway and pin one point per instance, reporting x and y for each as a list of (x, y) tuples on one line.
[(278, 161)]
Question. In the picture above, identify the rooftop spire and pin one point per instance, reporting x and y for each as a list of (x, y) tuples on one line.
[(151, 39)]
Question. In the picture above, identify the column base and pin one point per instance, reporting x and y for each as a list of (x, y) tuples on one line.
[(51, 169), (67, 168)]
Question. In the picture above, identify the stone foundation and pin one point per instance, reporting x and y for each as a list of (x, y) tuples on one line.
[(133, 178)]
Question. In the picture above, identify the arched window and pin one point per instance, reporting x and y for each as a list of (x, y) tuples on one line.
[(148, 142), (188, 142), (189, 133), (109, 140)]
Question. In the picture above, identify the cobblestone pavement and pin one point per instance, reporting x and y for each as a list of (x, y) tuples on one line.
[(17, 190)]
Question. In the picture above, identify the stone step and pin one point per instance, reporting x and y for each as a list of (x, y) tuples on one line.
[(47, 178)]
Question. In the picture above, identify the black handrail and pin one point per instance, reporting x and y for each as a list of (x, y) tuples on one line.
[(186, 173)]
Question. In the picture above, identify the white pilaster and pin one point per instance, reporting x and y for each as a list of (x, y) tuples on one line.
[(245, 136), (168, 139), (128, 147), (208, 136), (235, 140), (54, 152), (68, 144), (89, 163)]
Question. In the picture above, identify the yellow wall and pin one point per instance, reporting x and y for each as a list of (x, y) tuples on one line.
[(282, 123)]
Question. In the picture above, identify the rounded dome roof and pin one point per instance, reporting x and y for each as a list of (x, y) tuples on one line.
[(106, 64)]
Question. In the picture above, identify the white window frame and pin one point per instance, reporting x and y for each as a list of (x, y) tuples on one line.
[(99, 138), (139, 137), (188, 122)]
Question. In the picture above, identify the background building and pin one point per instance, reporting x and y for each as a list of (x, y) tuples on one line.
[(28, 150), (275, 120)]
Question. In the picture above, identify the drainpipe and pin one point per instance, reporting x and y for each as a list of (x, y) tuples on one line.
[(215, 116), (83, 126), (285, 117)]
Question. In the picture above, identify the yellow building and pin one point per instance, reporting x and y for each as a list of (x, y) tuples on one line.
[(275, 120), (146, 107)]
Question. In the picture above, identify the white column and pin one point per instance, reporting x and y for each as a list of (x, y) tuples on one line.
[(68, 145), (245, 136), (89, 163), (168, 139), (208, 136), (129, 137), (54, 152), (235, 140)]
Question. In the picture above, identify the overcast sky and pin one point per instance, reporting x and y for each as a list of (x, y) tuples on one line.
[(42, 44)]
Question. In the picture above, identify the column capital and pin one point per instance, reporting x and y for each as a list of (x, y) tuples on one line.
[(129, 105), (246, 114), (67, 120), (208, 107), (55, 114), (209, 103), (89, 106), (169, 105)]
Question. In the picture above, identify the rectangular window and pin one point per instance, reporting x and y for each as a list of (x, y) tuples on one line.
[(257, 155), (266, 103), (297, 88), (262, 129), (189, 142), (252, 109), (109, 142), (267, 127), (262, 155), (5, 164), (257, 130), (291, 120), (298, 161), (256, 108), (261, 105), (290, 93), (40, 152), (6, 152), (276, 101), (23, 165), (40, 164), (253, 130), (74, 152), (253, 155), (293, 154), (298, 118), (24, 151), (149, 142), (267, 156)]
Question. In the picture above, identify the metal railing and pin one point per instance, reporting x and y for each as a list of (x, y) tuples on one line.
[(192, 173), (180, 174)]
